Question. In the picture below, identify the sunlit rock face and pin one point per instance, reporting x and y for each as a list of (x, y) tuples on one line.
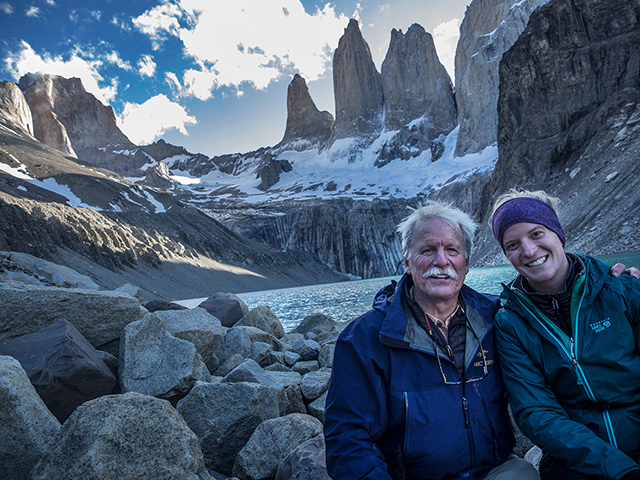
[(357, 87), (14, 110), (569, 120), (304, 121), (416, 85), (489, 28), (72, 120)]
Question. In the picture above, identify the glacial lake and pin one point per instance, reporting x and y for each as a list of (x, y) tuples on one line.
[(345, 301)]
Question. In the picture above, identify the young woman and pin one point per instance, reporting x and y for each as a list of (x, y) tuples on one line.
[(568, 335)]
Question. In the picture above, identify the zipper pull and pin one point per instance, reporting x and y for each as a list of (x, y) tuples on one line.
[(465, 410), (449, 352), (554, 304), (574, 360)]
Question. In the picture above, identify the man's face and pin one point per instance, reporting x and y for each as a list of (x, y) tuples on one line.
[(437, 263)]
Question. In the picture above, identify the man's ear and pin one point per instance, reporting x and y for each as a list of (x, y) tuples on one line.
[(407, 268)]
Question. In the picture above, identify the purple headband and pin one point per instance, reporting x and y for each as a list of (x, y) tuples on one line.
[(525, 209)]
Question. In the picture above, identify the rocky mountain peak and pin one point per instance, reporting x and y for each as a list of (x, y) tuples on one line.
[(89, 123), (14, 110), (416, 84), (304, 120), (48, 127), (357, 87)]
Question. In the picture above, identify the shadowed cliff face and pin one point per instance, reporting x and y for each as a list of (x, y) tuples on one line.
[(569, 119), (488, 30)]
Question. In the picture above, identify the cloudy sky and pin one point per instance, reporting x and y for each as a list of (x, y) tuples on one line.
[(210, 75)]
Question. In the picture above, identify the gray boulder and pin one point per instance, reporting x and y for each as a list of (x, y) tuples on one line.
[(262, 353), (307, 349), (27, 427), (243, 305), (236, 342), (315, 383), (316, 408), (317, 323), (250, 371), (307, 462), (227, 310), (284, 379), (162, 305), (224, 416), (295, 399), (290, 358), (198, 327), (134, 291), (124, 437), (54, 273), (325, 356), (271, 442), (64, 368), (229, 364), (263, 318), (305, 367), (153, 362), (99, 316)]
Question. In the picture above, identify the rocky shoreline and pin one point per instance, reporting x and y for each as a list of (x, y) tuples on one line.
[(97, 384)]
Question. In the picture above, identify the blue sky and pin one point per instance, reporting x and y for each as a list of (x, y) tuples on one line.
[(210, 75)]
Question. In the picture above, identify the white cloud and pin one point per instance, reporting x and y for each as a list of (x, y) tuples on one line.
[(51, 3), (32, 11), (445, 36), (114, 58), (6, 8), (28, 61), (231, 45), (146, 66), (146, 122)]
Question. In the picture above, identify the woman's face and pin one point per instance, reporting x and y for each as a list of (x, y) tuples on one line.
[(537, 253)]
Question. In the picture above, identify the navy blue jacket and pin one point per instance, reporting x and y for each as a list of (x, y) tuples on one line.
[(388, 405)]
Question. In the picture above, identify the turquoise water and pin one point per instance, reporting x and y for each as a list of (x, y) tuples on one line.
[(345, 301)]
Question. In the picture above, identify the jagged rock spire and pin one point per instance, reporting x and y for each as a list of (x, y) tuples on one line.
[(357, 86), (304, 120), (416, 84)]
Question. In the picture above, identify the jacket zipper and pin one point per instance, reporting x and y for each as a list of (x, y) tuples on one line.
[(581, 378)]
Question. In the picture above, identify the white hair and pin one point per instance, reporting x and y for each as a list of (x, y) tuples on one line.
[(432, 209)]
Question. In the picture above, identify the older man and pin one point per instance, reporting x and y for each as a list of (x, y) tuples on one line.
[(415, 391)]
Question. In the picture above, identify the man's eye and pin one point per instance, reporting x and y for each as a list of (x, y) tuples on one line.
[(538, 233)]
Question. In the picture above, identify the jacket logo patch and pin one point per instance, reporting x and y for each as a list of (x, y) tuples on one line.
[(601, 325)]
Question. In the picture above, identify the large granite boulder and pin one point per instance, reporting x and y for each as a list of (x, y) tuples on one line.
[(124, 437), (315, 383), (197, 326), (27, 427), (63, 366), (263, 318), (271, 442), (153, 362), (100, 316), (317, 323), (224, 416), (306, 462), (227, 310), (250, 371), (52, 272), (235, 342)]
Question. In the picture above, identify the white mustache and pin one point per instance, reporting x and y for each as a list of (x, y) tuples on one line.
[(435, 271)]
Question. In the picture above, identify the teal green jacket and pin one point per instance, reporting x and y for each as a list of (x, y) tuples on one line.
[(578, 397)]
